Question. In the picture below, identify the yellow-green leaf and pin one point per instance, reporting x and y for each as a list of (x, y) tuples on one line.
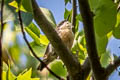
[(116, 31), (25, 75), (44, 40), (38, 49), (15, 4), (58, 67), (33, 35)]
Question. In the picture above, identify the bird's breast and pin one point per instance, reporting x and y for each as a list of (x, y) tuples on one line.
[(67, 37)]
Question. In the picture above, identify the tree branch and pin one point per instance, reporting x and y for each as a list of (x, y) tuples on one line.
[(2, 25), (86, 68), (74, 13), (90, 39), (24, 36), (72, 64), (111, 67)]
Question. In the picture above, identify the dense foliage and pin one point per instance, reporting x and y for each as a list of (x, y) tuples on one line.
[(20, 64)]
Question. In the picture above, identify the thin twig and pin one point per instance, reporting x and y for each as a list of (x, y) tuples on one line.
[(74, 13), (2, 24), (24, 36)]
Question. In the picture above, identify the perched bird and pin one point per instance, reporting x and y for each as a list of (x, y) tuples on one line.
[(64, 30)]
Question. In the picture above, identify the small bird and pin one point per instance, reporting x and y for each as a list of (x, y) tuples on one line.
[(64, 30)]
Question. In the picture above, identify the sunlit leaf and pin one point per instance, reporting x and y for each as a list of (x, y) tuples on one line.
[(26, 17), (109, 35), (105, 17), (25, 5), (15, 52), (35, 79), (25, 75), (34, 29), (101, 44), (38, 49), (44, 40), (10, 75), (48, 14), (14, 4), (8, 14), (116, 31), (5, 66), (79, 17), (33, 35), (4, 75), (58, 67), (105, 59), (78, 48), (67, 14)]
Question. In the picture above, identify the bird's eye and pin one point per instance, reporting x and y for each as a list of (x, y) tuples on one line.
[(67, 23)]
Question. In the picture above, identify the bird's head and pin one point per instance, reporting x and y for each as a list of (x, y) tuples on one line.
[(65, 24)]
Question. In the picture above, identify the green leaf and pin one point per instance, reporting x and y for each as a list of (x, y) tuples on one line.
[(93, 4), (105, 17), (67, 13), (8, 14), (27, 5), (34, 29), (24, 6), (116, 31), (35, 79), (15, 4), (48, 14), (38, 49), (18, 1), (66, 1), (4, 75), (105, 59), (79, 17), (118, 19), (58, 67), (33, 35), (5, 67), (15, 52), (25, 75), (101, 44), (26, 18), (10, 75), (78, 48), (44, 40)]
